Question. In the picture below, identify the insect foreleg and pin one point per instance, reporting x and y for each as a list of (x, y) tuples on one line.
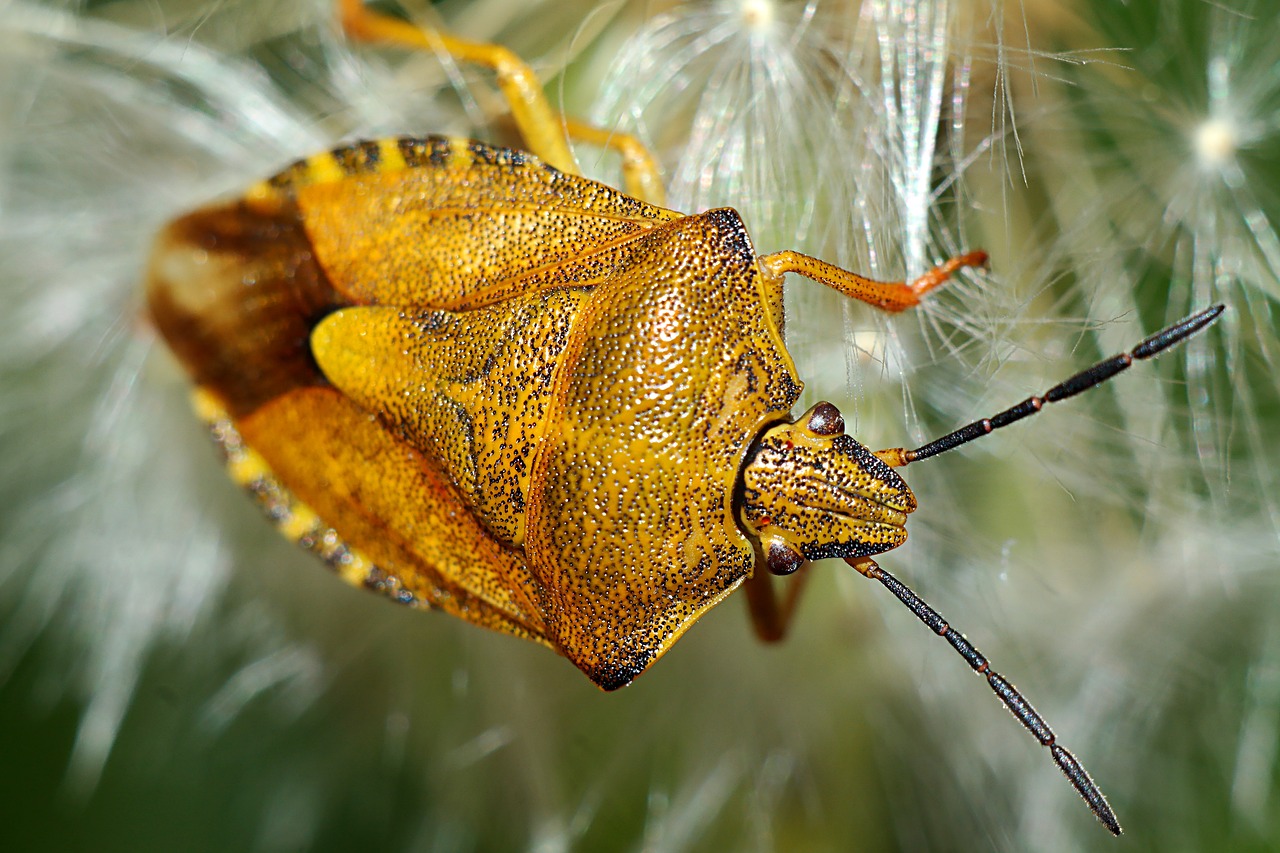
[(892, 296)]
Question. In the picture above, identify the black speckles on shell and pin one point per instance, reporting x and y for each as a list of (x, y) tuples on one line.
[(469, 388), (670, 372), (876, 467), (358, 158), (827, 496)]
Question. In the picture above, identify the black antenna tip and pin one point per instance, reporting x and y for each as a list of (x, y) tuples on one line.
[(1086, 787), (1179, 331)]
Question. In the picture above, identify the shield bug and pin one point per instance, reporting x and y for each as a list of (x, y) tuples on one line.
[(474, 381)]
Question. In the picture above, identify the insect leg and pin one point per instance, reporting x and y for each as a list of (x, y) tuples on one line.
[(770, 617), (1009, 695), (539, 125), (896, 457), (640, 174), (893, 296)]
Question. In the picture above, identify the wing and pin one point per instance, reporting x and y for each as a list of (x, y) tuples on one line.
[(470, 389), (440, 223), (416, 225), (393, 505)]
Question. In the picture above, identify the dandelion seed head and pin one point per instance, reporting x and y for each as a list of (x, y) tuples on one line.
[(757, 15), (1215, 141), (836, 129)]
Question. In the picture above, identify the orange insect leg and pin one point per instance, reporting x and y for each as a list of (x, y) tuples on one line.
[(640, 175), (538, 124), (893, 296), (544, 133)]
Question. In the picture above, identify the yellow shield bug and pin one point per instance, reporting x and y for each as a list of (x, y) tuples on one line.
[(474, 381)]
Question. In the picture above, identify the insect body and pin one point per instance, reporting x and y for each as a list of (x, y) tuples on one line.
[(515, 394), (476, 382)]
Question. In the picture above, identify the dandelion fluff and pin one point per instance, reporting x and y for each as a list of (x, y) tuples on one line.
[(160, 646)]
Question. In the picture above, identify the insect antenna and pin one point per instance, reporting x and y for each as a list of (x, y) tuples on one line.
[(1082, 381), (1009, 695)]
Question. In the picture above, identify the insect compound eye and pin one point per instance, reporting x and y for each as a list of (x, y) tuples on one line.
[(782, 559), (825, 419)]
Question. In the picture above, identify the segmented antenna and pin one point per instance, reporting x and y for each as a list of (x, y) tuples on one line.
[(1009, 695), (1082, 381)]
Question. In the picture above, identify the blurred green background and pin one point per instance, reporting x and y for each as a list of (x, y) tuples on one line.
[(175, 677)]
